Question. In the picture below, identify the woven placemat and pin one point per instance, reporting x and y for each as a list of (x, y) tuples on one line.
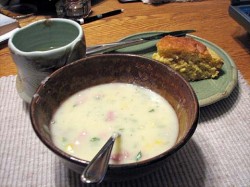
[(216, 155)]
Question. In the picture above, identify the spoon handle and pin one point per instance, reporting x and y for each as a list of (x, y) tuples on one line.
[(97, 168)]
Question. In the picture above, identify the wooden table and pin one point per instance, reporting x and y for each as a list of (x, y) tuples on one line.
[(209, 18)]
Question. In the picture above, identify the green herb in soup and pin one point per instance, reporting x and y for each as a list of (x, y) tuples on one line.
[(138, 156), (94, 139), (146, 121)]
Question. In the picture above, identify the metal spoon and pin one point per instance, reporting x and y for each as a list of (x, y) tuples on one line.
[(97, 168)]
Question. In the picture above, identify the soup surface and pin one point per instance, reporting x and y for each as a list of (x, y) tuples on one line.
[(146, 121)]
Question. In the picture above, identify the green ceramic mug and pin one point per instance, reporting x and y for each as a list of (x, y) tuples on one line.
[(42, 47)]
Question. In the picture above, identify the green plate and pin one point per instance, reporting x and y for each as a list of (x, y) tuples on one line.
[(208, 91)]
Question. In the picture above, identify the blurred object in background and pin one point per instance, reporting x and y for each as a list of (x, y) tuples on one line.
[(60, 9), (23, 8), (239, 10), (156, 1), (73, 9), (165, 1), (43, 6), (77, 8), (15, 9), (4, 3)]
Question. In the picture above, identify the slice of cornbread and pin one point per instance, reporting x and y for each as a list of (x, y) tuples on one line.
[(192, 59)]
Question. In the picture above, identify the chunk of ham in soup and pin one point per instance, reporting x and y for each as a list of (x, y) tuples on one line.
[(146, 121)]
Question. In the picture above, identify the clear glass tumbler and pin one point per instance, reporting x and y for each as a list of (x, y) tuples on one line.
[(77, 8)]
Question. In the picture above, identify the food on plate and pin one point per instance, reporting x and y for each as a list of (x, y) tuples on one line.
[(192, 59), (146, 121)]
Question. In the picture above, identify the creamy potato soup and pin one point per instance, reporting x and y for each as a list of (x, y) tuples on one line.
[(146, 121)]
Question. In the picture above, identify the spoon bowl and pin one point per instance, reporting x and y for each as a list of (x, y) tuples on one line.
[(97, 168)]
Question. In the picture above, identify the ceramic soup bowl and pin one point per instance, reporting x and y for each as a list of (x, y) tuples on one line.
[(111, 68)]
